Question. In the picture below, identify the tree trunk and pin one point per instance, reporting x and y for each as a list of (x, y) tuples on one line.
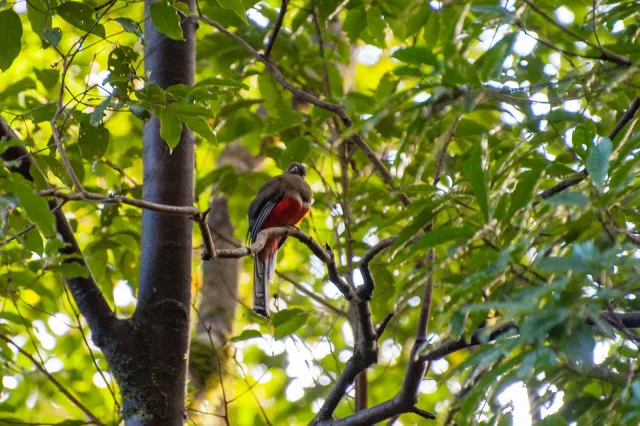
[(149, 360)]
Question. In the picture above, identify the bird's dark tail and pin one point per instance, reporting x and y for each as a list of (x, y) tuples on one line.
[(263, 274)]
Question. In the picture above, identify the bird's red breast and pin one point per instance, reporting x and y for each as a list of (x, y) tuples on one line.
[(288, 212)]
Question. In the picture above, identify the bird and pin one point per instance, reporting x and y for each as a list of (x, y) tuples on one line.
[(283, 201)]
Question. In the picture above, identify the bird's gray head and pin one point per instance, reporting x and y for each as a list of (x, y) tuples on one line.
[(297, 169)]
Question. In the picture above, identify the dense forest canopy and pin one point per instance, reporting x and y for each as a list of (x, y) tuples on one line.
[(476, 160)]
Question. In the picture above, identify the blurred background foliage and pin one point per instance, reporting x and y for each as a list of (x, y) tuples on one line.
[(522, 95)]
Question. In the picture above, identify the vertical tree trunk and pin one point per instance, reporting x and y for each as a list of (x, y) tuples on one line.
[(151, 364)]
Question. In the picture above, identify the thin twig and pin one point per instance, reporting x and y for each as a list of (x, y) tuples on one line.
[(209, 248), (276, 28), (311, 294), (30, 227)]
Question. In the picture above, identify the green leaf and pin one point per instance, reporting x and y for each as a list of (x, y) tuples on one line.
[(52, 36), (48, 77), (440, 236), (80, 15), (506, 419), (121, 64), (376, 26), (563, 264), (21, 278), (40, 17), (236, 6), (93, 140), (623, 174), (246, 335), (98, 112), (475, 173), (11, 40), (44, 112), (154, 94), (490, 64), (166, 18), (71, 270), (35, 207), (200, 126), (598, 162), (287, 321), (355, 22), (568, 198), (170, 127), (524, 192), (131, 26), (580, 344), (457, 322), (417, 55), (33, 241), (185, 108), (432, 30)]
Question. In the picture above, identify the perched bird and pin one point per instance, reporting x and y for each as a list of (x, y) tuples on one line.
[(283, 201)]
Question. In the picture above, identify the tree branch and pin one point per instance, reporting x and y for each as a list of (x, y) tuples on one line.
[(574, 180), (324, 254), (276, 28), (120, 199), (85, 291)]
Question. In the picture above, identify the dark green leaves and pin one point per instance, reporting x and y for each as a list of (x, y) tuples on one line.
[(170, 127), (580, 344), (165, 17), (598, 162), (200, 126), (35, 207), (236, 6), (568, 198), (44, 112), (121, 64), (287, 321), (355, 23), (490, 64), (441, 235), (98, 112), (417, 55), (131, 26), (523, 194), (80, 15), (11, 39), (246, 335), (48, 77), (40, 18), (93, 140), (475, 173)]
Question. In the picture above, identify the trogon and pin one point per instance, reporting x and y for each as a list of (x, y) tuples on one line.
[(283, 201)]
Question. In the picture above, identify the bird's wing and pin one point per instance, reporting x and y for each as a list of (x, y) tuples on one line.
[(260, 208)]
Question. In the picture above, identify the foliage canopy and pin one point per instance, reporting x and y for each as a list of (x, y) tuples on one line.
[(508, 125)]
